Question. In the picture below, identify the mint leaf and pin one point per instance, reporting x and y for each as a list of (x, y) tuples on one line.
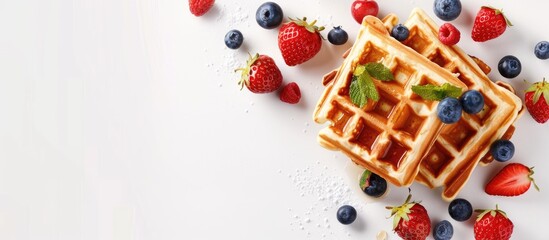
[(451, 90), (379, 71), (362, 85), (436, 93), (371, 91), (359, 70), (427, 92), (357, 91)]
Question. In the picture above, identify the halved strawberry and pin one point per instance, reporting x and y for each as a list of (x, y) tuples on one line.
[(512, 180)]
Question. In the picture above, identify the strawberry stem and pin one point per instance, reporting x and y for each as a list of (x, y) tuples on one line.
[(245, 71)]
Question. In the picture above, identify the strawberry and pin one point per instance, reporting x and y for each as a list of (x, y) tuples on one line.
[(512, 180), (200, 7), (537, 101), (493, 225), (261, 75), (489, 24), (290, 93), (299, 41), (411, 221)]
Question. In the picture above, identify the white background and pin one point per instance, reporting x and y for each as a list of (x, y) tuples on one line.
[(122, 120)]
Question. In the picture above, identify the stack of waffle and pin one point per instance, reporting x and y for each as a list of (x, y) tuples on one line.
[(400, 136)]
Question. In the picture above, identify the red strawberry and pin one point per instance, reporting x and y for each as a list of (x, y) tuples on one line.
[(493, 225), (411, 221), (489, 24), (200, 7), (290, 93), (299, 41), (261, 75), (512, 180), (537, 101)]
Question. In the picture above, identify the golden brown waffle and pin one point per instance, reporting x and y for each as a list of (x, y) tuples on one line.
[(460, 146), (391, 136)]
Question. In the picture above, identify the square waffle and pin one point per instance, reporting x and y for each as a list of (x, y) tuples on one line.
[(460, 146), (391, 136)]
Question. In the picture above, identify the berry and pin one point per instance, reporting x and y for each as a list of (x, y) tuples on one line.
[(502, 150), (460, 209), (346, 214), (542, 50), (472, 101), (372, 184), (509, 66), (493, 225), (447, 10), (290, 93), (269, 15), (448, 34), (261, 75), (512, 180), (337, 36), (200, 7), (411, 220), (443, 230), (449, 110), (537, 101), (299, 41), (489, 24), (234, 39), (400, 32), (363, 8)]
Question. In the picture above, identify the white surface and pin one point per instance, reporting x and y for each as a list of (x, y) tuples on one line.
[(123, 120)]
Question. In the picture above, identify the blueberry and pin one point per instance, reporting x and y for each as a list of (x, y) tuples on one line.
[(449, 110), (269, 15), (542, 50), (447, 10), (509, 66), (372, 184), (460, 209), (400, 32), (472, 101), (337, 36), (234, 39), (443, 230), (502, 150), (346, 214)]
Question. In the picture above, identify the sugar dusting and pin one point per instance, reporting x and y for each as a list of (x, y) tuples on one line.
[(231, 16), (327, 191)]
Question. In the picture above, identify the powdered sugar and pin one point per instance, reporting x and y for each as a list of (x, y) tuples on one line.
[(326, 191)]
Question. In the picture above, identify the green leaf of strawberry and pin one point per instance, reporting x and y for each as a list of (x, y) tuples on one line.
[(537, 101), (362, 85), (436, 93)]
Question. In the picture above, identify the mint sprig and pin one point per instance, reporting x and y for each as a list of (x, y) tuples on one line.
[(362, 85), (436, 93)]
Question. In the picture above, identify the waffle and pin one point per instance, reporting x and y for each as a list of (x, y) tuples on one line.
[(390, 137), (460, 146)]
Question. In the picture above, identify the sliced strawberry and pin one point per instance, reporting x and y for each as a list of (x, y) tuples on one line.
[(513, 180)]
